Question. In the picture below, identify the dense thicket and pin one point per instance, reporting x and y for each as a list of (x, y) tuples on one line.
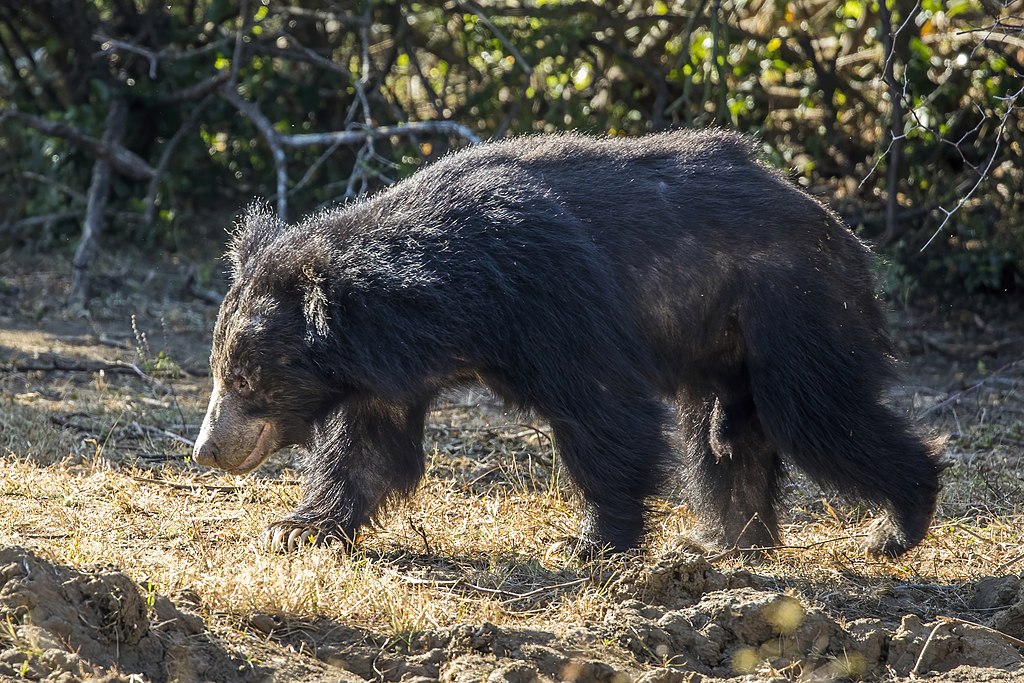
[(139, 115)]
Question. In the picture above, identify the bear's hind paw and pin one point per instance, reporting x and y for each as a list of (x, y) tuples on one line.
[(886, 539)]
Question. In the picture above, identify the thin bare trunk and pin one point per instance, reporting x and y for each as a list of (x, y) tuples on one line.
[(99, 193), (897, 127)]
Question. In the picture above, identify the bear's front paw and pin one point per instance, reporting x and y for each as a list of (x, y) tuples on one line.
[(288, 536)]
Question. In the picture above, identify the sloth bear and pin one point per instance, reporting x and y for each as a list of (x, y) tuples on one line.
[(644, 296)]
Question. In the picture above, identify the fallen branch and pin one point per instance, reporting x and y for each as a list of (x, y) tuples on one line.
[(958, 351), (89, 340), (56, 363), (953, 398)]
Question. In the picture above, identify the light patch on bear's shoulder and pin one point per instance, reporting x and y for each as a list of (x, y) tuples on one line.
[(314, 308)]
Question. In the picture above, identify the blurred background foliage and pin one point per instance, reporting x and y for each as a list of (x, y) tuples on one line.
[(905, 117)]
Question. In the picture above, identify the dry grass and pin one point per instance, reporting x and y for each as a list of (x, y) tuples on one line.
[(91, 474), (482, 530)]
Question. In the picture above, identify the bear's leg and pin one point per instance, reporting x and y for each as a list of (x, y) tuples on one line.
[(896, 468), (818, 384), (617, 453), (730, 468), (368, 452)]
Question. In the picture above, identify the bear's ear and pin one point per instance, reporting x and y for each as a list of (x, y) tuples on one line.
[(257, 227), (315, 304)]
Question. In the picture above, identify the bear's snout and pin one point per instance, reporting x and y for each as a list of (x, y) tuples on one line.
[(231, 440), (205, 452)]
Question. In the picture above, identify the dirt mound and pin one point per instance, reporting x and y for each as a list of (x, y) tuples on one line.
[(676, 619), (676, 578), (66, 625), (721, 625)]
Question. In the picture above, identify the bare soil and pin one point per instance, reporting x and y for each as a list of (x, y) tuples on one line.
[(120, 560)]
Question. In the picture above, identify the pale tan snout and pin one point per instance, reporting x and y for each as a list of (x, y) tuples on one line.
[(230, 440)]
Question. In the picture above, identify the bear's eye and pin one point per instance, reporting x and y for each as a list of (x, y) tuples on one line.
[(242, 385)]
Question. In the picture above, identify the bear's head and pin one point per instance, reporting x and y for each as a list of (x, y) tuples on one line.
[(270, 384)]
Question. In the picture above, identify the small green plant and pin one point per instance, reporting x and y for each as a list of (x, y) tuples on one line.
[(161, 363)]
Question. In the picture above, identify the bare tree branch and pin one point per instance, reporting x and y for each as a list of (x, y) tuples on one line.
[(897, 124), (46, 180), (365, 135), (485, 20), (194, 92), (33, 221), (273, 138), (122, 160), (109, 45), (351, 137), (1011, 105), (165, 158)]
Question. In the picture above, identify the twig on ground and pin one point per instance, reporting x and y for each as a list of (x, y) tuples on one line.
[(1008, 563), (736, 549), (1016, 642), (188, 486), (66, 423), (150, 430), (507, 596), (944, 621), (924, 648), (423, 535)]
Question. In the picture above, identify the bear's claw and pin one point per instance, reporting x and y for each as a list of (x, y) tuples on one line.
[(288, 537)]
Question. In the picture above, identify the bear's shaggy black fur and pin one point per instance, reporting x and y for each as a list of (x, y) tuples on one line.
[(596, 282)]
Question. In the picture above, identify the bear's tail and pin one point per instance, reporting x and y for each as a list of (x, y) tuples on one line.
[(818, 367)]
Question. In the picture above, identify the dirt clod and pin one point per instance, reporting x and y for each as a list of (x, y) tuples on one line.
[(993, 592), (68, 624), (946, 645)]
